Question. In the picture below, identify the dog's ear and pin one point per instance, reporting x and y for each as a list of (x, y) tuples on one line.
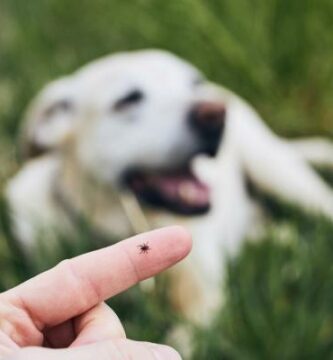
[(49, 120)]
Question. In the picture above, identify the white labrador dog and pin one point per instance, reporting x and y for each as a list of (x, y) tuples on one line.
[(139, 140)]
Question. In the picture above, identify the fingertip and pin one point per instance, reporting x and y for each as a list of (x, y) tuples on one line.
[(183, 237), (165, 247), (175, 240)]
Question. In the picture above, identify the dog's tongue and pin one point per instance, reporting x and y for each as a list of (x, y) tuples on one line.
[(181, 188)]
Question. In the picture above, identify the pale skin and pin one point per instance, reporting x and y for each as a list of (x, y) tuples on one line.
[(61, 314)]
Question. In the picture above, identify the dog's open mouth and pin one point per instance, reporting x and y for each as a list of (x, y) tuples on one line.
[(178, 191)]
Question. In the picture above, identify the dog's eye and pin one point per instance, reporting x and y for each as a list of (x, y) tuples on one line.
[(131, 98), (60, 106)]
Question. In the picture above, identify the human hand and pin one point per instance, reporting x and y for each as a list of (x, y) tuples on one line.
[(61, 314)]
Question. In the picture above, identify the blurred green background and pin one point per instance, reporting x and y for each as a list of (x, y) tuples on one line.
[(277, 54)]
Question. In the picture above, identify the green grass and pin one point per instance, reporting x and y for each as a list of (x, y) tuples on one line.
[(279, 303), (278, 55)]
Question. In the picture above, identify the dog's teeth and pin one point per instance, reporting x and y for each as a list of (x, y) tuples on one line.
[(187, 192)]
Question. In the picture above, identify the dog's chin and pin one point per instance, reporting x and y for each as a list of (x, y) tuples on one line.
[(177, 191)]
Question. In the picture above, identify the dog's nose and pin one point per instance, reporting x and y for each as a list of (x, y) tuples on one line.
[(208, 120)]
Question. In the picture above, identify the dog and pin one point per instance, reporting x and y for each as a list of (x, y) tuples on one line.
[(141, 140)]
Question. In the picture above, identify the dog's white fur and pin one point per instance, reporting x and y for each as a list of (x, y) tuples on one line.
[(92, 144)]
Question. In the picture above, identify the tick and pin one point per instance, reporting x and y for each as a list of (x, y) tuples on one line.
[(144, 248)]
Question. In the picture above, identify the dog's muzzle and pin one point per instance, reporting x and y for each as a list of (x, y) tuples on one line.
[(179, 190), (207, 120)]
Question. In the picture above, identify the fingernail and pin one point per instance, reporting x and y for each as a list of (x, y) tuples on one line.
[(163, 352)]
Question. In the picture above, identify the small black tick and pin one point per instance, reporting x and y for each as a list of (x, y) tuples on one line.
[(144, 248)]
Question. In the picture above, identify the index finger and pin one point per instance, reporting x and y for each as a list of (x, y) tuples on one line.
[(74, 286)]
